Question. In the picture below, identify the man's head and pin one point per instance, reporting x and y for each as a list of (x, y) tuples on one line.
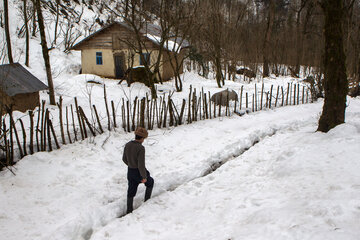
[(141, 134)]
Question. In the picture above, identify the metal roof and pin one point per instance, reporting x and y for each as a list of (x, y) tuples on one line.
[(149, 28), (15, 79)]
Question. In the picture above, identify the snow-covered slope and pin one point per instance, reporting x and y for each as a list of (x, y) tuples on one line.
[(294, 183)]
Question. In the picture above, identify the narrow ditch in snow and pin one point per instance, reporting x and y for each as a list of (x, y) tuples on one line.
[(88, 234)]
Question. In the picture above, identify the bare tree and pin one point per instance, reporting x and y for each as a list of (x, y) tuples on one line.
[(45, 52), (27, 35), (336, 85), (7, 31)]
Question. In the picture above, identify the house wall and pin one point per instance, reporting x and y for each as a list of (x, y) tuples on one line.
[(168, 71), (20, 102), (109, 44), (89, 66)]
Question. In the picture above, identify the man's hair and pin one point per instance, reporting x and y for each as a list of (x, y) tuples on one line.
[(137, 137)]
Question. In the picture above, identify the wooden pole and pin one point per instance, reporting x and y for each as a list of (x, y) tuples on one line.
[(59, 104), (107, 108), (24, 136), (79, 119), (123, 115), (142, 113), (182, 111), (134, 114), (87, 121), (54, 135), (98, 119), (287, 94), (247, 102), (67, 125), (277, 95), (282, 96), (16, 136), (252, 103), (128, 115), (38, 146), (255, 98), (114, 113), (241, 96), (303, 95), (262, 93), (73, 122), (48, 129), (298, 92), (270, 98), (42, 125), (209, 105), (31, 146)]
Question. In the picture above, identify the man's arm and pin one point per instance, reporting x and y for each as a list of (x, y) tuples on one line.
[(124, 157), (141, 163)]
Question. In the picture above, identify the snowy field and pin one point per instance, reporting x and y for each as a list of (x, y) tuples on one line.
[(266, 175), (279, 180)]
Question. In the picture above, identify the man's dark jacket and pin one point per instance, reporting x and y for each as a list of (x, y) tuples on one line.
[(134, 157)]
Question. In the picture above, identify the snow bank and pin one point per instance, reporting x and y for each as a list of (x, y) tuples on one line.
[(297, 184), (82, 187)]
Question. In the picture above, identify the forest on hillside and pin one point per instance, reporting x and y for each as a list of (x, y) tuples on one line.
[(223, 33)]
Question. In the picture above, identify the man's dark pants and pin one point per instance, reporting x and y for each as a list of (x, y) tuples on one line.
[(134, 179)]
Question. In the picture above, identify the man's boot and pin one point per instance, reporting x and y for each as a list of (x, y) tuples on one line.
[(129, 205), (148, 192)]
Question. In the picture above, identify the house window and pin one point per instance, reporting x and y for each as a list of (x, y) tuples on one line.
[(146, 58), (99, 59)]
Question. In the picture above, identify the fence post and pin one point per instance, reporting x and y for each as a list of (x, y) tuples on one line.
[(107, 108), (61, 120), (31, 116)]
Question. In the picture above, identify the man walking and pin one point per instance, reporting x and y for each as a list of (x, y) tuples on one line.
[(134, 158)]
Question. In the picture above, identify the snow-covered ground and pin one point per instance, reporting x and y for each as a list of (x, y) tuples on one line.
[(295, 183)]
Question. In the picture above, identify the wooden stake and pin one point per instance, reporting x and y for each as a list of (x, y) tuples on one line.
[(38, 146), (67, 125), (73, 122), (98, 120), (277, 95), (262, 93), (287, 94), (134, 114), (87, 121), (61, 120), (241, 96), (270, 98), (24, 136), (114, 113), (107, 108), (79, 119), (31, 146), (255, 98), (48, 129)]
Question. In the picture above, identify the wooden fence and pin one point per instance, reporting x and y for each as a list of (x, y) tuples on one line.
[(74, 125)]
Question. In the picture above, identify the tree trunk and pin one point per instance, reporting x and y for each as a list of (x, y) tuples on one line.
[(45, 51), (336, 85), (266, 47), (27, 34), (7, 31)]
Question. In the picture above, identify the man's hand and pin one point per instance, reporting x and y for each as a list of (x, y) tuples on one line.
[(143, 180)]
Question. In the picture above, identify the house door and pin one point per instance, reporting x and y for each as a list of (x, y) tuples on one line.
[(119, 65)]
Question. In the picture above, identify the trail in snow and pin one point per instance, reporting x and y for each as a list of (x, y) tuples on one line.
[(82, 187), (297, 184)]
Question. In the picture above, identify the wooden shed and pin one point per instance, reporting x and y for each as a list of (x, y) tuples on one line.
[(109, 52), (19, 89)]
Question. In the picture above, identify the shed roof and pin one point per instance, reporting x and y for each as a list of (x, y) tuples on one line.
[(149, 29), (15, 79)]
